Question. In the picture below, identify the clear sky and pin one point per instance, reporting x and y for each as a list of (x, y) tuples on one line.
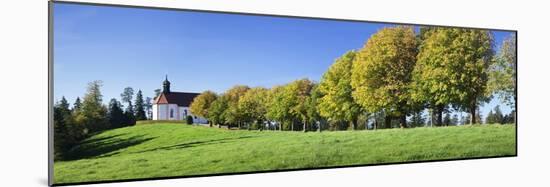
[(198, 51)]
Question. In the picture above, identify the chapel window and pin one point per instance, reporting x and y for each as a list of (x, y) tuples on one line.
[(171, 113)]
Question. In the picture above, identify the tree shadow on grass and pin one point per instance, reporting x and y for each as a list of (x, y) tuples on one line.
[(103, 147), (195, 144)]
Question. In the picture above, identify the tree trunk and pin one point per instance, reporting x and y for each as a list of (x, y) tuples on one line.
[(261, 125), (305, 125), (472, 114), (292, 126), (439, 115), (432, 117), (375, 125), (387, 122), (403, 121)]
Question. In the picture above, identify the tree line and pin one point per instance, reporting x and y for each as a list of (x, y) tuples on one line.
[(90, 115), (397, 74)]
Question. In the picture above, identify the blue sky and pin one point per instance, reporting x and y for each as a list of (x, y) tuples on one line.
[(198, 51)]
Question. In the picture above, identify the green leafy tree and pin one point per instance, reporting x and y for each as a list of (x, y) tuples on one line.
[(202, 103), (337, 102), (299, 92), (452, 68), (93, 114), (253, 106), (313, 108), (382, 72), (115, 114), (233, 114), (503, 73), (279, 106), (217, 110), (140, 107)]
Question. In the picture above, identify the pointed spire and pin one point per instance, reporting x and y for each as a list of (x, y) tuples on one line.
[(166, 85)]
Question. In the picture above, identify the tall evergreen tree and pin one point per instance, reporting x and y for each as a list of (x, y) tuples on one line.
[(490, 119), (115, 114), (62, 137), (93, 114), (140, 108), (126, 96), (498, 117), (77, 105)]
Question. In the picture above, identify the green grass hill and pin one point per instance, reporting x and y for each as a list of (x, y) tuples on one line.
[(167, 149)]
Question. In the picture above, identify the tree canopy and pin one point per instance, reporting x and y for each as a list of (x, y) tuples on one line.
[(502, 79), (253, 106), (452, 68), (201, 104), (337, 102), (233, 114), (382, 72)]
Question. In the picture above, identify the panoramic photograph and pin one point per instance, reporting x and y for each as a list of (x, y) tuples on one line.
[(144, 93)]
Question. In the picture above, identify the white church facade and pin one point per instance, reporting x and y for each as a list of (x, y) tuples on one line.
[(174, 105)]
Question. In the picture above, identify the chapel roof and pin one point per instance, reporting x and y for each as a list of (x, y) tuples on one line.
[(179, 98)]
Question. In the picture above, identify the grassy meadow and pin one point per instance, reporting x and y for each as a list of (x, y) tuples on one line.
[(168, 149)]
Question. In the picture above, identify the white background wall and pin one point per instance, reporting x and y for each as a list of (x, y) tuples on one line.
[(155, 112), (23, 77), (162, 112)]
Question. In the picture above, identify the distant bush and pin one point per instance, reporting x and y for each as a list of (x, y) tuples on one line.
[(189, 120)]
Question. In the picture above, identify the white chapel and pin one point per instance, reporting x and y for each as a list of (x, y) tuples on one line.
[(174, 105)]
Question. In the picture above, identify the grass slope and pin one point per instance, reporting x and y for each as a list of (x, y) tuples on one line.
[(163, 150)]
